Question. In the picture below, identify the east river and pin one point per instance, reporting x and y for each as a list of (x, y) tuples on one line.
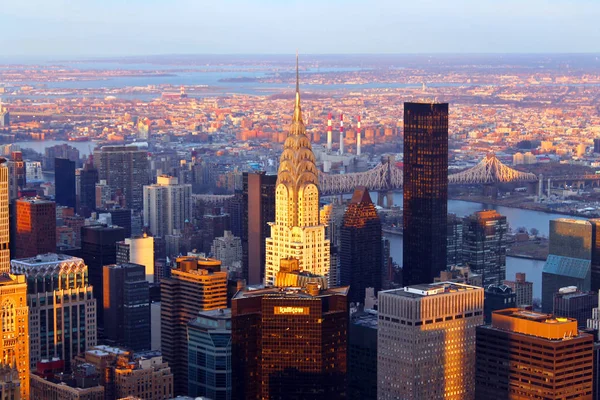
[(516, 218)]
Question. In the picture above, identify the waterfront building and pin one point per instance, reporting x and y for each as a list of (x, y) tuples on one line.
[(4, 219), (64, 181), (167, 206), (125, 170), (362, 356), (426, 341), (98, 248), (60, 300), (258, 209), (484, 249), (497, 297), (290, 342), (425, 191), (517, 334), (522, 288), (361, 249), (297, 231), (138, 250), (571, 238), (573, 303), (209, 352), (560, 272), (127, 306), (196, 284), (35, 227), (15, 328)]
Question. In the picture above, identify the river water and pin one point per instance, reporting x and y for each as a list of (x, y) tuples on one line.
[(515, 217)]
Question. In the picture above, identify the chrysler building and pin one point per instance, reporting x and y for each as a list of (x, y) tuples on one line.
[(297, 232)]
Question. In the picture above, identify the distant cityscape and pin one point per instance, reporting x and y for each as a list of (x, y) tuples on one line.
[(352, 227)]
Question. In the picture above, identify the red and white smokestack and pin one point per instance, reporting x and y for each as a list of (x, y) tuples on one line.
[(341, 133), (329, 132), (358, 138)]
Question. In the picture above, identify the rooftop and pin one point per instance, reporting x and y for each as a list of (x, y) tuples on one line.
[(48, 258), (567, 266), (533, 323), (432, 289), (297, 292), (367, 318)]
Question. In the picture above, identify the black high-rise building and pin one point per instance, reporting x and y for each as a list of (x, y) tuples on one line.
[(127, 306), (87, 193), (119, 217), (258, 210), (99, 248), (497, 297), (596, 145), (361, 249), (362, 356), (425, 191), (64, 180)]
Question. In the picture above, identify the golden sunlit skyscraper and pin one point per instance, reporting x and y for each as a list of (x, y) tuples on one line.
[(297, 231), (4, 224)]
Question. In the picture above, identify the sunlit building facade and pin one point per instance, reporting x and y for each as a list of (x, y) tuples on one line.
[(529, 355), (167, 206), (425, 191), (4, 219), (426, 341), (35, 231), (297, 231)]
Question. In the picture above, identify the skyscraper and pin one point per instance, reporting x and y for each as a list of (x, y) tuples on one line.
[(258, 209), (196, 284), (522, 288), (87, 193), (15, 327), (297, 231), (18, 174), (572, 303), (209, 352), (362, 356), (290, 343), (35, 231), (361, 249), (127, 306), (512, 365), (455, 241), (484, 249), (167, 206), (125, 170), (138, 250), (426, 341), (64, 179), (4, 219), (425, 191), (62, 308), (498, 297), (98, 248)]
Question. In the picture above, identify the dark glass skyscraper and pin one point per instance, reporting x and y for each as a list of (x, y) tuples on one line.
[(425, 191), (64, 179), (87, 196), (361, 249)]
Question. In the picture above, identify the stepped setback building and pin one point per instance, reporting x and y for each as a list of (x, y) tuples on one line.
[(297, 231)]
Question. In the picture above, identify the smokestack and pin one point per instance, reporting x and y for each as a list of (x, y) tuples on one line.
[(341, 133), (329, 132), (358, 138)]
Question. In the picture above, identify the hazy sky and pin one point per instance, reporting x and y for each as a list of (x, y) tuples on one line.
[(140, 27)]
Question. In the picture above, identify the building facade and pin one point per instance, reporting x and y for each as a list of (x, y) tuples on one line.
[(362, 356), (297, 231), (18, 174), (455, 241), (290, 343), (209, 352), (572, 303), (127, 306), (125, 170), (426, 341), (60, 299), (64, 181), (559, 272), (138, 250), (4, 219), (196, 284), (517, 334), (35, 227), (497, 297), (360, 244), (228, 250), (258, 209), (167, 206), (14, 320), (87, 190), (425, 191), (484, 249), (522, 288)]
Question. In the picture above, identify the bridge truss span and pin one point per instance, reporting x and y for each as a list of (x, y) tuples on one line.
[(490, 170), (385, 177)]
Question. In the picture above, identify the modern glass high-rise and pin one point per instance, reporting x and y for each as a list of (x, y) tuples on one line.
[(258, 209), (484, 249), (209, 353), (196, 284), (62, 308), (87, 192), (426, 341), (425, 191), (64, 180), (127, 306), (361, 249)]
